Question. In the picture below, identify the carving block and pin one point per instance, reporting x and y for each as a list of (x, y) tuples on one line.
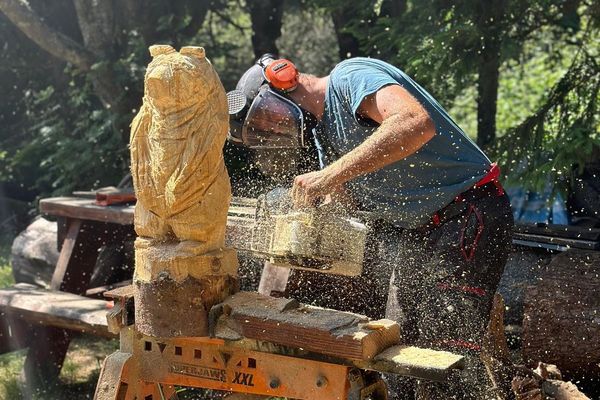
[(183, 193)]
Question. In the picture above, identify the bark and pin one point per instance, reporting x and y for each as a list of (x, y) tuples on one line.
[(48, 39), (266, 25), (561, 324), (101, 35), (97, 24), (490, 24), (393, 8), (349, 45), (59, 15), (487, 96)]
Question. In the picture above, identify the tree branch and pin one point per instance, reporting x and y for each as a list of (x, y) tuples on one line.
[(55, 43)]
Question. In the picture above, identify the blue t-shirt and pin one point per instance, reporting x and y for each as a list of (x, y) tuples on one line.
[(409, 191)]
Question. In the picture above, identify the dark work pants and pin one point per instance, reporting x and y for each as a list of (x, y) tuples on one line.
[(441, 290)]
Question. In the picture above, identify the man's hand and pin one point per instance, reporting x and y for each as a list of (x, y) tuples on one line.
[(311, 188)]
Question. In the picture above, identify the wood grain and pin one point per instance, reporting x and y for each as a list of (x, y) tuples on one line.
[(561, 323), (56, 309), (288, 323)]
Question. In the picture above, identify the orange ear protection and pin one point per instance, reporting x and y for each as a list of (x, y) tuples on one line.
[(282, 74)]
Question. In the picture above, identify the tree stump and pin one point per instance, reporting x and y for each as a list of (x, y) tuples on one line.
[(562, 315), (182, 267)]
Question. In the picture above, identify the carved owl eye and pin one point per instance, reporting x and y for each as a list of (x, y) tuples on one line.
[(193, 51), (160, 49)]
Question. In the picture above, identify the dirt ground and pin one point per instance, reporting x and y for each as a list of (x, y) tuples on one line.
[(78, 376)]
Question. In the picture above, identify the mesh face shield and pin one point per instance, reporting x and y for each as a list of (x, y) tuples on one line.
[(271, 121)]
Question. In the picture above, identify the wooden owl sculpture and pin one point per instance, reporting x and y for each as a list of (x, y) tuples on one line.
[(183, 192)]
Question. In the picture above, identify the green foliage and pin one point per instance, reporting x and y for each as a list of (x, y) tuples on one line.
[(72, 144), (562, 134), (68, 139), (63, 138), (226, 36), (11, 365), (524, 84), (6, 276), (313, 48), (443, 45)]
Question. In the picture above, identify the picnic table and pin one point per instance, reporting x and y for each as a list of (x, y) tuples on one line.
[(46, 321)]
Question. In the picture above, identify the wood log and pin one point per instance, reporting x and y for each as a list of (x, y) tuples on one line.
[(289, 323), (544, 382), (183, 193), (561, 323)]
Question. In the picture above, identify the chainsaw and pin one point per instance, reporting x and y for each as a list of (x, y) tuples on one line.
[(324, 238)]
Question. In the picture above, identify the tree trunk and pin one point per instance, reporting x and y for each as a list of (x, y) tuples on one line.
[(490, 24), (47, 38), (266, 25), (349, 45), (487, 96), (393, 8), (101, 36), (561, 324)]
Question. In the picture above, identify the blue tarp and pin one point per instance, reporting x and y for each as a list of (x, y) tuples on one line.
[(535, 207)]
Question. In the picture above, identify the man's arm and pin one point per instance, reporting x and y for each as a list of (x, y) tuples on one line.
[(405, 126)]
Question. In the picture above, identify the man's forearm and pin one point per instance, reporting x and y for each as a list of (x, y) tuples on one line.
[(396, 138)]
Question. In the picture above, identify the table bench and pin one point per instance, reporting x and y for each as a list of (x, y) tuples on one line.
[(33, 318)]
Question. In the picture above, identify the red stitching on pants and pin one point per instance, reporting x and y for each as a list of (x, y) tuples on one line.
[(472, 209)]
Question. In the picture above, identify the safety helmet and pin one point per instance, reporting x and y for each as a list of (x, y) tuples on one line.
[(261, 114)]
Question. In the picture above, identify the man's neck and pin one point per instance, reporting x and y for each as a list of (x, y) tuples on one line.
[(310, 94)]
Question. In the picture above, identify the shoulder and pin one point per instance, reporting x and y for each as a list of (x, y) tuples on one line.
[(361, 65)]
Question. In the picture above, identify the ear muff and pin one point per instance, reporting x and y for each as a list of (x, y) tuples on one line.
[(282, 74)]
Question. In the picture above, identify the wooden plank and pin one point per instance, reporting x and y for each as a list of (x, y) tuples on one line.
[(416, 362), (66, 253), (123, 292), (563, 231), (82, 208), (101, 290), (288, 323), (75, 207), (558, 241), (57, 309)]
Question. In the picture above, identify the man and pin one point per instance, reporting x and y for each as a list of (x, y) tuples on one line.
[(384, 140)]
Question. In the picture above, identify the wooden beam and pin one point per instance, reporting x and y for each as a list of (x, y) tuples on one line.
[(55, 309), (76, 207), (416, 362), (68, 249), (289, 323)]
